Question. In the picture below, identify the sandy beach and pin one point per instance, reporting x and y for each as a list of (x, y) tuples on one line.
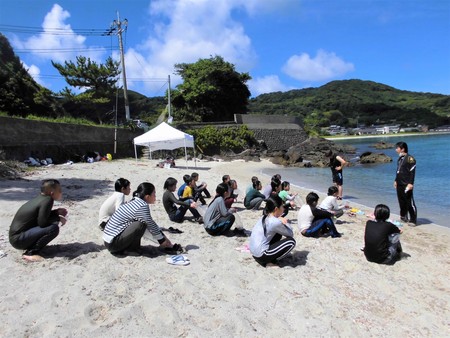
[(326, 288)]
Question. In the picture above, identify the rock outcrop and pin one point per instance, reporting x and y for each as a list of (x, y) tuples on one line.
[(382, 145), (369, 157), (310, 153)]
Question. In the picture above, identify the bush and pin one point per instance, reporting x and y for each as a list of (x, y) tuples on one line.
[(212, 140)]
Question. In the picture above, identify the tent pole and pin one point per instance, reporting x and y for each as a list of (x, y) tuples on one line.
[(185, 153), (135, 152), (195, 157)]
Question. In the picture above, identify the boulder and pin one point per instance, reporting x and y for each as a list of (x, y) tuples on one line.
[(382, 145), (311, 152), (369, 157)]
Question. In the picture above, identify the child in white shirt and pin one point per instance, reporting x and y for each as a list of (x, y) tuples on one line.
[(122, 188), (330, 203)]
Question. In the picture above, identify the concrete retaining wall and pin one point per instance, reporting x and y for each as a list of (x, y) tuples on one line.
[(20, 139)]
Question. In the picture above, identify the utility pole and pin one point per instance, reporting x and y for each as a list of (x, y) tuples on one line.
[(119, 24), (169, 109)]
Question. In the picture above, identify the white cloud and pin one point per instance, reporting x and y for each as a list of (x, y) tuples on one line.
[(62, 46), (188, 30), (266, 84), (34, 72), (325, 66)]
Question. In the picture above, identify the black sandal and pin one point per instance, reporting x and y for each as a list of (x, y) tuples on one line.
[(173, 230)]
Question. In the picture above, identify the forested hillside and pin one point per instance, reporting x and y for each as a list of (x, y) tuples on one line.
[(346, 103), (349, 102), (21, 95)]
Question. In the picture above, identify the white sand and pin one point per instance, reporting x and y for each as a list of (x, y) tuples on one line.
[(327, 288)]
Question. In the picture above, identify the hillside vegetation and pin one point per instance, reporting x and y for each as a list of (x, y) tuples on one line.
[(349, 102), (346, 103)]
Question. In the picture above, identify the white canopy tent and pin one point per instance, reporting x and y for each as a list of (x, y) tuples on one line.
[(165, 137)]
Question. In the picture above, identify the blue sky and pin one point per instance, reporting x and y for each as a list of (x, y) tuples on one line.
[(282, 44)]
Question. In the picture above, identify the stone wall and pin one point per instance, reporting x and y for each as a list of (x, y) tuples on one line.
[(277, 132), (279, 139), (20, 139)]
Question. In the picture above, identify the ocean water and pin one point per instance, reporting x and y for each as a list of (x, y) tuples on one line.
[(371, 184)]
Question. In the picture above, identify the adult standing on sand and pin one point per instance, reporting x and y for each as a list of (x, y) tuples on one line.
[(404, 184), (336, 165)]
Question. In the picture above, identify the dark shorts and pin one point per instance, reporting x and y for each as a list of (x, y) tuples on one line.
[(338, 178)]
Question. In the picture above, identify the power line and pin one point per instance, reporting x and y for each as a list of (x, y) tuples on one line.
[(63, 50), (53, 31)]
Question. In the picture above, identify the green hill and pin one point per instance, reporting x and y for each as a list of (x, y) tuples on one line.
[(21, 95), (350, 102), (345, 103)]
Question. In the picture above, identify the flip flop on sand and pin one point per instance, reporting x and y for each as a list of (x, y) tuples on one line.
[(178, 260), (173, 230), (243, 248)]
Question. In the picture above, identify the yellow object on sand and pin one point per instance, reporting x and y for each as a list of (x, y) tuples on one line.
[(109, 157)]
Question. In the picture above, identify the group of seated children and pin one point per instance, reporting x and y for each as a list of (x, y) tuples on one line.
[(36, 223)]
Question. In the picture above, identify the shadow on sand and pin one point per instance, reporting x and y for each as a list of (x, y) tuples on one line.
[(17, 190), (70, 250), (296, 258)]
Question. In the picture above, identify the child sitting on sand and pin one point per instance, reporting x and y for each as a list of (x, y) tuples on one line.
[(288, 199), (122, 188), (35, 223), (314, 222), (254, 197), (170, 202), (382, 238), (125, 228), (267, 244), (181, 188), (218, 219), (201, 188), (233, 193), (330, 203)]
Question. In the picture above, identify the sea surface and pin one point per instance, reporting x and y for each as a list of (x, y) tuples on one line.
[(370, 184)]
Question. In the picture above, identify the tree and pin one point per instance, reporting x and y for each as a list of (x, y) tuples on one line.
[(212, 90), (88, 74), (98, 79), (19, 93)]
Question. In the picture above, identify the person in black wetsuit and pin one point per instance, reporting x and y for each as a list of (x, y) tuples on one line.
[(35, 223), (404, 184), (336, 165)]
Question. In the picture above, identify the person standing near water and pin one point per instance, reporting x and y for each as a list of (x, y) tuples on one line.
[(404, 184), (336, 165)]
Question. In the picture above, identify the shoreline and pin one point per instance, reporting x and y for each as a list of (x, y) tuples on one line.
[(322, 194), (355, 137), (108, 296)]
